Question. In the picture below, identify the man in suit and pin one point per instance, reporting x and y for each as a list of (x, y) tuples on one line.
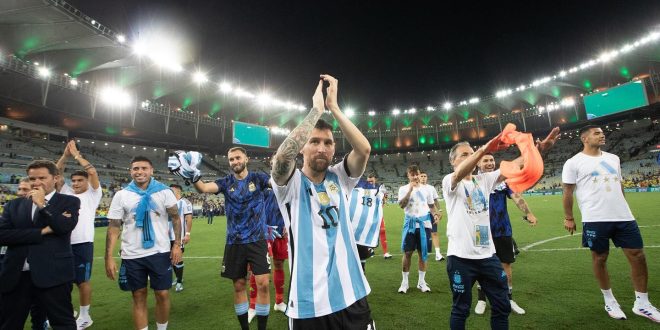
[(38, 266)]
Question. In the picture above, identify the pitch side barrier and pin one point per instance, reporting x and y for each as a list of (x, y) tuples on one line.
[(560, 192)]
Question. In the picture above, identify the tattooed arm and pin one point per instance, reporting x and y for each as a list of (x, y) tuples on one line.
[(175, 254), (284, 160), (114, 229), (358, 157), (524, 208)]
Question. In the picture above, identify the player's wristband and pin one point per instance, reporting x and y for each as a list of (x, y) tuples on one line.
[(569, 219), (187, 234)]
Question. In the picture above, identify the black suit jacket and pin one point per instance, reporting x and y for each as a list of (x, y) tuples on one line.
[(49, 256)]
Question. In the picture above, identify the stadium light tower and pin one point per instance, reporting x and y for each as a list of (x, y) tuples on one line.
[(200, 78), (349, 112), (115, 96), (225, 87), (43, 72), (447, 106)]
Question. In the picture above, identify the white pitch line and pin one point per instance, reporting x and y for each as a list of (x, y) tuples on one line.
[(527, 247), (582, 248)]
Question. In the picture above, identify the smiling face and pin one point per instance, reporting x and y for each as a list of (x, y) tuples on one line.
[(23, 188), (486, 163), (141, 172), (462, 153), (237, 161), (79, 184)]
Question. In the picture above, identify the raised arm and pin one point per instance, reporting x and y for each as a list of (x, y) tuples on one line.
[(206, 187), (61, 165), (86, 165), (567, 199), (358, 157), (284, 161), (467, 166)]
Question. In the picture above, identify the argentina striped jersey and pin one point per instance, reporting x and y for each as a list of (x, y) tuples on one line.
[(366, 211), (326, 275), (185, 208)]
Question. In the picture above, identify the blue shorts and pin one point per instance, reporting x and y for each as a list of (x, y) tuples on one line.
[(414, 241), (157, 268), (624, 234), (83, 255), (434, 227)]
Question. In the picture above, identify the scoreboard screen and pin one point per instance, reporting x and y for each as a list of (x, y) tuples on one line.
[(250, 134)]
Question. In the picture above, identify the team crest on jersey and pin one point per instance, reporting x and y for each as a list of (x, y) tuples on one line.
[(232, 189), (251, 186), (324, 199), (367, 192), (332, 187), (457, 278)]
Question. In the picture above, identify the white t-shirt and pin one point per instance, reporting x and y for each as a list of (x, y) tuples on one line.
[(418, 204), (123, 207), (597, 187), (326, 275), (432, 191), (89, 202), (468, 217)]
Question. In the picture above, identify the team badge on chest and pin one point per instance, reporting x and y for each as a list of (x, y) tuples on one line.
[(251, 186)]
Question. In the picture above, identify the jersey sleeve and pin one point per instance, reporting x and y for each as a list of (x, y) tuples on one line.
[(188, 208), (434, 192), (264, 181), (341, 169), (492, 179), (170, 199), (284, 193), (402, 193), (446, 186), (66, 189), (222, 185), (568, 173), (97, 194), (116, 210), (430, 200)]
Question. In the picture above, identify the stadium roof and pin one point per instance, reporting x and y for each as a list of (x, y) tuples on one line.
[(58, 59)]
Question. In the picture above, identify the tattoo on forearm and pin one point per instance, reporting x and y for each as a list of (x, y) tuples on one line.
[(173, 212), (522, 205), (285, 157), (114, 223)]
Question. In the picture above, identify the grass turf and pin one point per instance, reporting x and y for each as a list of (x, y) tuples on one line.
[(553, 281)]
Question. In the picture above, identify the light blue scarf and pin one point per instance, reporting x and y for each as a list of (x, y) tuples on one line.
[(145, 206), (409, 227)]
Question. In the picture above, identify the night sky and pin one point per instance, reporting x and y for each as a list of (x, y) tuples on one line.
[(386, 54)]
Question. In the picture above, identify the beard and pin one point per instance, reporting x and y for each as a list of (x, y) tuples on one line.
[(319, 164), (238, 168)]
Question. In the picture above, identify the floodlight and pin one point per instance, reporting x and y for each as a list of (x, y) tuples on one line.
[(115, 96), (225, 87), (200, 78), (43, 72), (447, 106)]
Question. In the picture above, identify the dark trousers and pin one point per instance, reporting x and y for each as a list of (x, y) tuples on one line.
[(209, 219), (490, 274), (54, 301)]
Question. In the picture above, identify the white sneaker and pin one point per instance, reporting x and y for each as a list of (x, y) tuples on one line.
[(251, 314), (84, 323), (615, 312), (647, 311), (516, 309), (423, 287), (403, 288), (281, 307), (387, 255), (174, 283), (179, 287), (439, 257), (480, 309)]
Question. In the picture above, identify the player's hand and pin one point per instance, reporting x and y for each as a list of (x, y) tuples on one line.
[(175, 254), (110, 268), (549, 141), (273, 233), (38, 196), (186, 239), (73, 150), (46, 230), (317, 98), (436, 218), (531, 218), (331, 92), (569, 225), (495, 144), (67, 151)]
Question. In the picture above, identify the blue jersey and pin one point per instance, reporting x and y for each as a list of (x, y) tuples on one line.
[(244, 202), (500, 224), (272, 212)]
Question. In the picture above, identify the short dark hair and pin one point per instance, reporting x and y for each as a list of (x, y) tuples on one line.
[(141, 158), (174, 185), (587, 128), (241, 149), (412, 168), (79, 173), (323, 125), (372, 175), (52, 168), (422, 172)]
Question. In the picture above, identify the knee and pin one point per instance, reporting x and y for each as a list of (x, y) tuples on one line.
[(278, 264), (162, 295), (637, 255), (140, 296), (600, 258), (239, 285), (262, 282)]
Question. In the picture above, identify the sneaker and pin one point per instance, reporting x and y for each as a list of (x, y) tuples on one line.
[(83, 323), (403, 288), (615, 312), (281, 307), (75, 313), (423, 287), (647, 311), (179, 287), (480, 309), (174, 283), (251, 314), (516, 309), (387, 255), (439, 257)]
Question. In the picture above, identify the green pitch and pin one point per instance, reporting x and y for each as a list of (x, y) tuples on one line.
[(553, 281)]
